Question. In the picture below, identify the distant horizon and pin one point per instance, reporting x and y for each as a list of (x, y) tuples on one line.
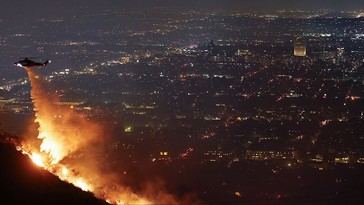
[(26, 14), (23, 6)]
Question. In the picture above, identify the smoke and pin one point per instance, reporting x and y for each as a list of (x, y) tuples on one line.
[(71, 147), (61, 130)]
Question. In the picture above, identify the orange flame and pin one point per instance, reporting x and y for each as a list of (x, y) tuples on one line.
[(62, 133)]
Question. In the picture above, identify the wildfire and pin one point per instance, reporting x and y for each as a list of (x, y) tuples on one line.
[(63, 133)]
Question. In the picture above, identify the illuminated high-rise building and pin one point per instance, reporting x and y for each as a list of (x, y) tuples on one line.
[(299, 49)]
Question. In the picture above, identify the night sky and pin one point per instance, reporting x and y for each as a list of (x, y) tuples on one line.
[(43, 6)]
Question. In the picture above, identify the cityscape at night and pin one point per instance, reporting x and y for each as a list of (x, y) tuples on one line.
[(162, 104)]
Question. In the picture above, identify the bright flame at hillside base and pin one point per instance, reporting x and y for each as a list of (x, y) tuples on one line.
[(66, 138)]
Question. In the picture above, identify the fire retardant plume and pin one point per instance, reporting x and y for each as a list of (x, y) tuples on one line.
[(68, 146)]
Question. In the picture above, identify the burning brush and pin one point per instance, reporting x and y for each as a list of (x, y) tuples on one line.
[(64, 133)]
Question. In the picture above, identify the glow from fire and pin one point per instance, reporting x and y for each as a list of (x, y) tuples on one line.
[(37, 159), (82, 184), (65, 137), (51, 147)]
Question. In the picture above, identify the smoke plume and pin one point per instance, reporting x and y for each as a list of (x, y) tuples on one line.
[(70, 146)]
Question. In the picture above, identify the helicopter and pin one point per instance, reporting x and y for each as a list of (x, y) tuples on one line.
[(29, 63)]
